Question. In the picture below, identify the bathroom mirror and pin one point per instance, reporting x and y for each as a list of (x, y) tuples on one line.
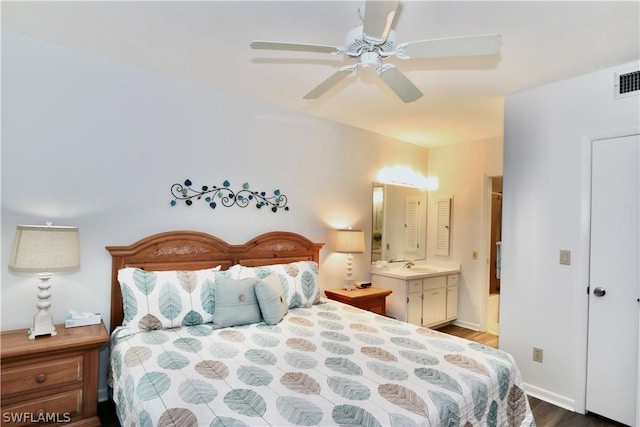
[(399, 223)]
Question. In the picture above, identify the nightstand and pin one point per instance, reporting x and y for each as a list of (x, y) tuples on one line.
[(51, 380), (371, 299)]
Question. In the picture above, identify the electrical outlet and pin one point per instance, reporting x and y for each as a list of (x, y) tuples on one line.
[(537, 354), (565, 257)]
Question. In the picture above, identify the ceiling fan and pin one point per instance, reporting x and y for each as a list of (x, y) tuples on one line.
[(374, 41)]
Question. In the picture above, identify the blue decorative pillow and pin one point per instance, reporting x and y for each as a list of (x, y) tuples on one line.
[(272, 299), (235, 302)]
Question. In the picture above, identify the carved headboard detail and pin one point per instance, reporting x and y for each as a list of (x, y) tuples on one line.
[(193, 250)]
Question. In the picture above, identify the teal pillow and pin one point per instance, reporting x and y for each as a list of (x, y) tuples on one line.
[(236, 302), (272, 299)]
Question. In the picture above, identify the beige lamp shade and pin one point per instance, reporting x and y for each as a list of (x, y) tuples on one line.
[(350, 241), (45, 248)]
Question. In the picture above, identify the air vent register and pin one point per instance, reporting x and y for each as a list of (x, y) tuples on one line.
[(627, 83)]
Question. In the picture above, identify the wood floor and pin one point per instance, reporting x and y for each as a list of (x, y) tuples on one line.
[(545, 414), (481, 337)]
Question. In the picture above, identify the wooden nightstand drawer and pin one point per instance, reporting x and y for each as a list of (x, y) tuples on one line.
[(51, 380), (59, 408), (39, 376)]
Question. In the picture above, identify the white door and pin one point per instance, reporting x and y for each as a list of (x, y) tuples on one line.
[(612, 367)]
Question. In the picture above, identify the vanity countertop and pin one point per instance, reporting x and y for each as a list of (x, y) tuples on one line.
[(418, 271)]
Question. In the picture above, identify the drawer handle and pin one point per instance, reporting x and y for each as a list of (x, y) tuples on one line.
[(41, 378)]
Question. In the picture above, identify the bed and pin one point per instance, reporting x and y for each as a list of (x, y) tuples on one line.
[(183, 358)]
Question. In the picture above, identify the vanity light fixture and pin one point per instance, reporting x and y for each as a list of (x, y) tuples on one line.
[(432, 183), (44, 249), (349, 241), (407, 177)]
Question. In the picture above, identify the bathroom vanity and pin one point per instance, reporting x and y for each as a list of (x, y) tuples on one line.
[(424, 295)]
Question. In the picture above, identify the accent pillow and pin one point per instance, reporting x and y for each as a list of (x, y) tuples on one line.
[(299, 280), (272, 299), (166, 299), (235, 302)]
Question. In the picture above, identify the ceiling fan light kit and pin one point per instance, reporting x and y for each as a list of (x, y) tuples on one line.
[(374, 41)]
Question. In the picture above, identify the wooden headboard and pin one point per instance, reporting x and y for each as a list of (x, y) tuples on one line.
[(192, 250)]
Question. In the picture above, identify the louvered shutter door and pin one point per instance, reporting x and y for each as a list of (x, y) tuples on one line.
[(443, 226), (411, 215)]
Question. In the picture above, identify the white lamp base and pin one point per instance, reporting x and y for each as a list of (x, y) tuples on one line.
[(42, 325), (349, 283), (43, 321)]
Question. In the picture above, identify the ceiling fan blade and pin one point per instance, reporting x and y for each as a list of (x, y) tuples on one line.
[(488, 44), (298, 47), (378, 17), (333, 80), (399, 83)]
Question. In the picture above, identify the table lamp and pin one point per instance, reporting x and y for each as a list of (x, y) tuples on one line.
[(44, 249), (350, 242)]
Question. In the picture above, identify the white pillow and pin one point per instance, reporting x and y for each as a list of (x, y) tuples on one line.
[(299, 280), (166, 299)]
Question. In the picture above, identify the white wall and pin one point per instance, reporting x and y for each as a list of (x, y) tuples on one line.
[(546, 184), (96, 143), (463, 170)]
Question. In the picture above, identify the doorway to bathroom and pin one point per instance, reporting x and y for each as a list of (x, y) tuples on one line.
[(494, 214)]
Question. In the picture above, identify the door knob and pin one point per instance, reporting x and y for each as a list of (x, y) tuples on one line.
[(599, 292)]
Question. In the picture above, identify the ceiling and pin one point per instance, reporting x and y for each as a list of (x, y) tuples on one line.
[(208, 42)]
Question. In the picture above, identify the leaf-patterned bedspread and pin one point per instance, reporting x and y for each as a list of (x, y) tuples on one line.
[(329, 364)]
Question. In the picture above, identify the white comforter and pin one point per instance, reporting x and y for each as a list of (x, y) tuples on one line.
[(328, 364)]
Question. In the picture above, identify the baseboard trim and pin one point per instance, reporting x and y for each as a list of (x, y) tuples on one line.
[(103, 394), (467, 325), (550, 397)]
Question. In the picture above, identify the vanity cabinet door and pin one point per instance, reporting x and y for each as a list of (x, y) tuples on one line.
[(452, 302), (452, 297), (434, 306), (414, 308)]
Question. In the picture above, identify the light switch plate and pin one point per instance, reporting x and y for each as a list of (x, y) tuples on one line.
[(565, 257)]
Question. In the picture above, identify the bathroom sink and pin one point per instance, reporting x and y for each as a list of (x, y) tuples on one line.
[(421, 269)]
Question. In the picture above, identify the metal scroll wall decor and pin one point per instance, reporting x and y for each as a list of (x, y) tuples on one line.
[(225, 196)]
